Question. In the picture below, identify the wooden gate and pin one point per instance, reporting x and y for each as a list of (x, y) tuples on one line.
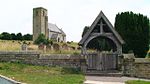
[(102, 61)]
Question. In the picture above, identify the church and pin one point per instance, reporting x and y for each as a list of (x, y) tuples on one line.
[(41, 26)]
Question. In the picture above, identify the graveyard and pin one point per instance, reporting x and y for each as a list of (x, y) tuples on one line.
[(107, 52), (98, 53), (59, 48)]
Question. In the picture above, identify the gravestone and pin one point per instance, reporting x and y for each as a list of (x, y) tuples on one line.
[(24, 47), (42, 47), (65, 47), (48, 47), (56, 47)]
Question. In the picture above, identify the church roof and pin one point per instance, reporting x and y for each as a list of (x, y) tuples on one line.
[(62, 32), (101, 15), (54, 28)]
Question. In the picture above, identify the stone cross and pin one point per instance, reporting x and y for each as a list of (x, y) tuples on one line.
[(101, 26)]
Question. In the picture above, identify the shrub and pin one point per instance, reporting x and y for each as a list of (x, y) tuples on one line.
[(41, 39)]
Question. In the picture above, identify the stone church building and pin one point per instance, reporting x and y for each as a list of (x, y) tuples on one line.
[(41, 26)]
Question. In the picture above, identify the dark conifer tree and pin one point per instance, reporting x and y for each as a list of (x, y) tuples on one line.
[(134, 29)]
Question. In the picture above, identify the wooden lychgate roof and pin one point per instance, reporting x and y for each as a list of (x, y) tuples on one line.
[(98, 18)]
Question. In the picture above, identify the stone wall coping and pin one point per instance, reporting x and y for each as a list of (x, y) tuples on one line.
[(11, 80), (59, 56), (129, 56), (142, 60), (18, 52)]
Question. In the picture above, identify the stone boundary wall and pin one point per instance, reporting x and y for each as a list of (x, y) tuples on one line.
[(35, 58), (136, 67), (131, 66)]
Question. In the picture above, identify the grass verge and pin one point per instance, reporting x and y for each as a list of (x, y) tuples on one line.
[(41, 74), (137, 82)]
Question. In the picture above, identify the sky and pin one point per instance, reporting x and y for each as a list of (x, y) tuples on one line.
[(70, 15)]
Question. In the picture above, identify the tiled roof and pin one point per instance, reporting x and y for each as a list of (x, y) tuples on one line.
[(62, 32), (53, 27)]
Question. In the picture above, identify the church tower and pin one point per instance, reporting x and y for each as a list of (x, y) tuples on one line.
[(40, 22)]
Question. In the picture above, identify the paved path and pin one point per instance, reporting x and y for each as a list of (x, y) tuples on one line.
[(108, 80)]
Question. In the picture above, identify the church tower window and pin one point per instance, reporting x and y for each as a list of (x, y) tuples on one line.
[(37, 13), (43, 13)]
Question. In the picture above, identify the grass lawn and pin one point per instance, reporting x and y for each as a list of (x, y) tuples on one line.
[(41, 74), (137, 82)]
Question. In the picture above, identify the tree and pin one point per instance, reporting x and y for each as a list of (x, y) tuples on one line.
[(13, 35), (134, 29), (27, 37), (19, 36), (5, 36), (41, 39)]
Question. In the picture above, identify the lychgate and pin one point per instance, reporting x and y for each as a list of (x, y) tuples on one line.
[(101, 60)]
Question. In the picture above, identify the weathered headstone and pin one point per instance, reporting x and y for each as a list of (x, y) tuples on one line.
[(24, 47), (72, 48), (42, 47), (65, 47), (48, 47), (78, 48), (56, 47)]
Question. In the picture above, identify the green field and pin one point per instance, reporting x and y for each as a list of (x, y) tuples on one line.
[(41, 74), (137, 82)]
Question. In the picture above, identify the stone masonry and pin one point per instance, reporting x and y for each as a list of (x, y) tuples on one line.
[(40, 22), (35, 58), (136, 67)]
